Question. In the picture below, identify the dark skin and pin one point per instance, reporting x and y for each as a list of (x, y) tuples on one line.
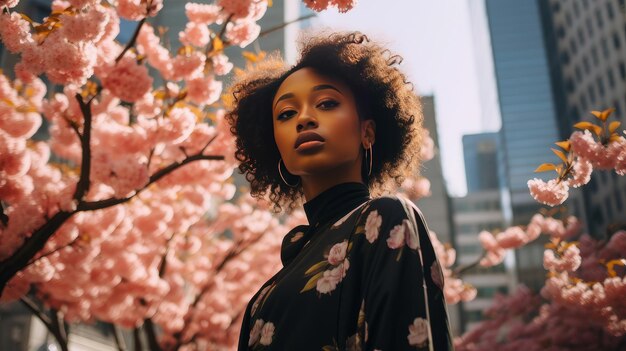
[(308, 101)]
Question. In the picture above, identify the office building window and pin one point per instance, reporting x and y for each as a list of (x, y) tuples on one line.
[(605, 47), (564, 57), (609, 207), (581, 35), (618, 201), (556, 7), (560, 32), (622, 70), (616, 41), (576, 9), (583, 101), (569, 85), (594, 55), (586, 64), (568, 19), (589, 27), (600, 86), (609, 10), (599, 18), (572, 46), (579, 75), (609, 75)]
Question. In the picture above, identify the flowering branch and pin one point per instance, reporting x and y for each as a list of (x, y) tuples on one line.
[(132, 40)]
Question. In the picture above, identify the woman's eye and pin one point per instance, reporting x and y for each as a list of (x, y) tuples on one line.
[(285, 114), (328, 104)]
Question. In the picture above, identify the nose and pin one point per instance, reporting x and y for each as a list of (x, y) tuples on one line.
[(305, 119)]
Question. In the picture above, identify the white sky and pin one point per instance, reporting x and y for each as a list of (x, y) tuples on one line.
[(435, 40)]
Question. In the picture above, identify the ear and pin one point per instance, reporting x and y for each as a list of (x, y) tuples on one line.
[(368, 132)]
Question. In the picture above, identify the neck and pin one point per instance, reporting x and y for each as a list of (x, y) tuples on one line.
[(313, 185)]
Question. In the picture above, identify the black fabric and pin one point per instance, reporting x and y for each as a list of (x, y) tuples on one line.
[(331, 204), (362, 276)]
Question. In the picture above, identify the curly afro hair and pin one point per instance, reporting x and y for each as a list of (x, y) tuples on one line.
[(381, 91)]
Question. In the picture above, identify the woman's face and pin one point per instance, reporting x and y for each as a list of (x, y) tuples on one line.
[(309, 102)]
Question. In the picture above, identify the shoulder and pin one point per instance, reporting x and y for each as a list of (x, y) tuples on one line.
[(390, 208)]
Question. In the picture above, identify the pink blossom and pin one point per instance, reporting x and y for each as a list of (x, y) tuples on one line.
[(158, 56), (436, 275), (320, 5), (242, 34), (195, 34), (85, 26), (569, 261), (204, 90), (8, 3), (338, 253), (19, 125), (493, 257), (601, 157), (221, 66), (317, 5), (582, 173), (418, 332), (79, 4), (135, 10), (416, 188), (188, 66), (552, 193), (128, 80), (427, 150), (15, 32), (511, 238), (205, 14), (249, 10), (66, 62), (488, 241), (177, 126), (147, 106)]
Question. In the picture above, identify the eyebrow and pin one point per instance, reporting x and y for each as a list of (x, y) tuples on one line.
[(315, 88)]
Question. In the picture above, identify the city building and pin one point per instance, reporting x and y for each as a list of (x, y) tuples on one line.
[(586, 49), (479, 210)]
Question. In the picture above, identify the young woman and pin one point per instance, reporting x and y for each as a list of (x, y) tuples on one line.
[(362, 275)]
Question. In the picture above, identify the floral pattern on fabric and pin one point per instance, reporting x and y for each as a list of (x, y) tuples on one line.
[(376, 285), (330, 272), (418, 333), (261, 334)]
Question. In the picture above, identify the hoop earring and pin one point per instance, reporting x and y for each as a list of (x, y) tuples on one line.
[(281, 175), (371, 152)]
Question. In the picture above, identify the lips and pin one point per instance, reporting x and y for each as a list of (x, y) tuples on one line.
[(307, 136)]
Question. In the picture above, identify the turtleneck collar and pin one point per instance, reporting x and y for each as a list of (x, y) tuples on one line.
[(335, 202), (331, 204)]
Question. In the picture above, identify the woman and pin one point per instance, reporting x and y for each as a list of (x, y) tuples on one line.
[(362, 275)]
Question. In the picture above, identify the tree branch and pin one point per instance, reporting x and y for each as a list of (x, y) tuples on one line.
[(132, 40), (83, 183)]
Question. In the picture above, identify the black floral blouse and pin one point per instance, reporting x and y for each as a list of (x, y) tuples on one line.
[(362, 275)]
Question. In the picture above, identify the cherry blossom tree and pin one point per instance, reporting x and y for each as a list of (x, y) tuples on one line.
[(126, 213), (582, 305)]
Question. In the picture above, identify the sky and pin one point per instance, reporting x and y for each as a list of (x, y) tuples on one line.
[(435, 40)]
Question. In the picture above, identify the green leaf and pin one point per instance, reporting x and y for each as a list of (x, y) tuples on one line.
[(546, 167), (312, 282), (316, 267)]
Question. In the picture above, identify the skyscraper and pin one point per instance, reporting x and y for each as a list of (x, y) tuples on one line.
[(480, 209), (586, 49)]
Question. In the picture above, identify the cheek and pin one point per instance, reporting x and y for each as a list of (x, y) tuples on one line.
[(281, 139)]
